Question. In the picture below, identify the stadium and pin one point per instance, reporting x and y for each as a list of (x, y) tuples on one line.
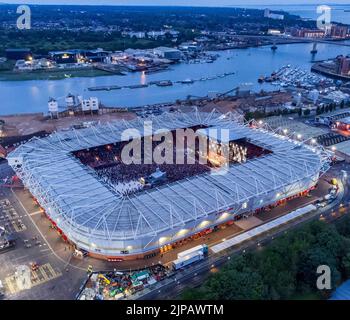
[(117, 211)]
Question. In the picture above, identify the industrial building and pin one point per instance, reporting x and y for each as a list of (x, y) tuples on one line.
[(343, 65), (168, 53), (18, 54), (113, 225), (330, 118), (78, 55)]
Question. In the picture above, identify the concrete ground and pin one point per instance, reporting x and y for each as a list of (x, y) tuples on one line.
[(51, 281), (25, 124)]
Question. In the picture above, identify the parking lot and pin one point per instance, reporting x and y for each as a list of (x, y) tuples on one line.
[(9, 218), (54, 278)]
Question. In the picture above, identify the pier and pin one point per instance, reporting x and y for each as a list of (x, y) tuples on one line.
[(104, 88), (160, 83), (110, 68)]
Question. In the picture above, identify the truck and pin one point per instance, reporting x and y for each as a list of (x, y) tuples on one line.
[(203, 248), (187, 260)]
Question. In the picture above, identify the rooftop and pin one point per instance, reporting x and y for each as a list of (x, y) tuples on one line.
[(294, 127)]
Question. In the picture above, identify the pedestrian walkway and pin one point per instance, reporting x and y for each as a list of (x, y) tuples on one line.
[(262, 228)]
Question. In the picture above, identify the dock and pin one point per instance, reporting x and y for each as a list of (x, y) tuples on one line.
[(159, 83), (104, 88), (111, 68)]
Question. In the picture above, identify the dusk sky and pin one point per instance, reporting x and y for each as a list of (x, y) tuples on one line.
[(180, 2)]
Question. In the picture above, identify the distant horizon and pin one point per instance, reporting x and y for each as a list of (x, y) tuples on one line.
[(175, 3)]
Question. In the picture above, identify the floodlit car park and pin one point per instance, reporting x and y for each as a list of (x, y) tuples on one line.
[(50, 280)]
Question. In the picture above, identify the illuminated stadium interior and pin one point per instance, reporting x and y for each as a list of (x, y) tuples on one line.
[(107, 160)]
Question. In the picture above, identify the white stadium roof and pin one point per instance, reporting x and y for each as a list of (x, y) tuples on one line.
[(82, 204)]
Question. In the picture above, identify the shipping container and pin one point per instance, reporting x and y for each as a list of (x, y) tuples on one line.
[(203, 248)]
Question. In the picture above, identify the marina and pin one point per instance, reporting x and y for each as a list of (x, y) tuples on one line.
[(291, 77)]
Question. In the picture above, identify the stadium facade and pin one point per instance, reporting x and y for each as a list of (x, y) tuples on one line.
[(110, 225)]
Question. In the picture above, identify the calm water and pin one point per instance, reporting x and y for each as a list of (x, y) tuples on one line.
[(248, 65)]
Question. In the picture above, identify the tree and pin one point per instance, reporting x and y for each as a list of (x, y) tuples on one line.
[(235, 285), (343, 228), (311, 260), (346, 265), (193, 294), (287, 268)]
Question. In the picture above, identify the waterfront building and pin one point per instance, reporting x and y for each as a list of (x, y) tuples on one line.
[(168, 53), (53, 107), (343, 65), (19, 54), (339, 31), (91, 104), (308, 33), (68, 56)]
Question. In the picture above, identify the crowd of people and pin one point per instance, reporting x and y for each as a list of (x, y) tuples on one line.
[(129, 178)]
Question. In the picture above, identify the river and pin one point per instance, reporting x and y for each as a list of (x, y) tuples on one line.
[(248, 65)]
